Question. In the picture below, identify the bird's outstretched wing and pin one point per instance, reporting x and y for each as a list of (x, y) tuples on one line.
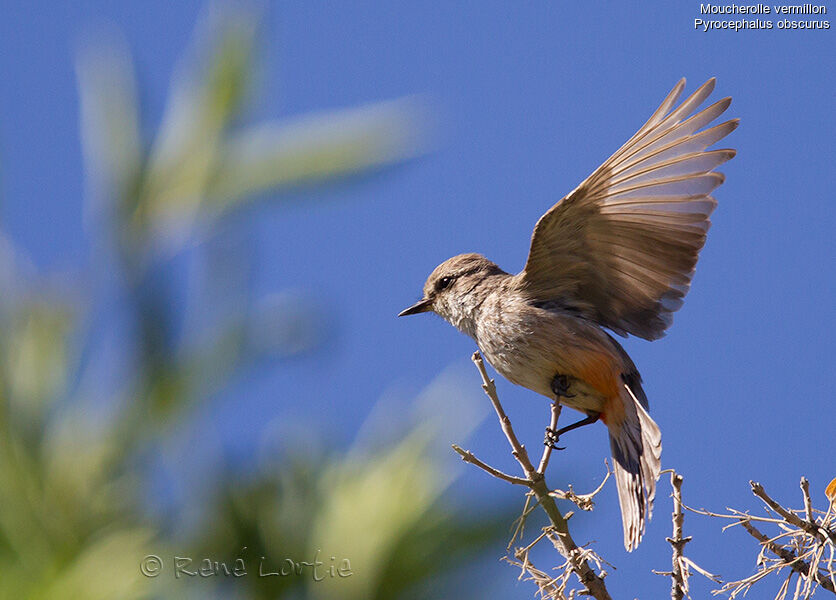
[(622, 247)]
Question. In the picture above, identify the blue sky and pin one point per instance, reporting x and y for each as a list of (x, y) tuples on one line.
[(529, 99)]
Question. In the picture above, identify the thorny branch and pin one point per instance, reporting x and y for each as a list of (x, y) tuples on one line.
[(583, 501), (805, 545), (680, 564), (579, 560)]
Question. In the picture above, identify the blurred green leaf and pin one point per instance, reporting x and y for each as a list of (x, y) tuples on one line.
[(77, 470), (276, 155), (380, 505), (204, 101), (110, 122), (35, 357), (106, 568)]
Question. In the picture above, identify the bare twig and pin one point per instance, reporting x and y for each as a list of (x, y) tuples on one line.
[(679, 575), (800, 546), (517, 449), (808, 504), (680, 564), (551, 587), (790, 559), (789, 516), (548, 587), (519, 529), (583, 501), (577, 559), (469, 457)]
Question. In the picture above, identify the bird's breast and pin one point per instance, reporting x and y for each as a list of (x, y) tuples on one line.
[(529, 346)]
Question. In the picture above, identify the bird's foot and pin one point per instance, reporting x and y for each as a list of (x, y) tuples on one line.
[(552, 437), (560, 386)]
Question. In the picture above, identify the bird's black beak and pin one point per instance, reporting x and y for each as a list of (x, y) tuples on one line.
[(424, 305)]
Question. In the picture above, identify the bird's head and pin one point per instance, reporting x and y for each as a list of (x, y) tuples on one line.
[(454, 289)]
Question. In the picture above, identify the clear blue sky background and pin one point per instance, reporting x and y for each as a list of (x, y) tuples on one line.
[(531, 97)]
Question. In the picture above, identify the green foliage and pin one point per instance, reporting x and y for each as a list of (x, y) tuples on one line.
[(380, 507), (80, 425)]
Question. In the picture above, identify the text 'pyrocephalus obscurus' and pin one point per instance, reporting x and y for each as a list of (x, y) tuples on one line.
[(618, 253)]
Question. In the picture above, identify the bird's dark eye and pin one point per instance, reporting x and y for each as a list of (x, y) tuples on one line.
[(443, 283)]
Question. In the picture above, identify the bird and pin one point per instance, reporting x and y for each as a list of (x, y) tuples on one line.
[(614, 256)]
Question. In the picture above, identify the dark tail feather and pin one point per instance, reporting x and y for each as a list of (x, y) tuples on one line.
[(636, 449)]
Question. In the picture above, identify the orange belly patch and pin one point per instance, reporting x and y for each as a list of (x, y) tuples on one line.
[(602, 372), (597, 369)]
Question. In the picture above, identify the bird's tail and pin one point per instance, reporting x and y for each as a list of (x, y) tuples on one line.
[(636, 444)]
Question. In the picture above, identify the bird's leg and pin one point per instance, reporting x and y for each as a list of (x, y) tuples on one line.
[(560, 387), (551, 439), (553, 436)]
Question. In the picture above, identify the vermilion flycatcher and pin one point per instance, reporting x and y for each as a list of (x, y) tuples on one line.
[(616, 253)]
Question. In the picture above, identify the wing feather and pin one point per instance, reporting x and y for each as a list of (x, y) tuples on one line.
[(623, 246)]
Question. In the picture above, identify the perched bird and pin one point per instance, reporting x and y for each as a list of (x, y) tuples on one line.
[(617, 253)]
